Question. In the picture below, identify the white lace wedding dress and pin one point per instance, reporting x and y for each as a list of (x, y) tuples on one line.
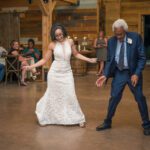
[(59, 105)]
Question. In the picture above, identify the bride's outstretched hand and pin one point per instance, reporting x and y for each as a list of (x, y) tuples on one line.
[(100, 81), (93, 60)]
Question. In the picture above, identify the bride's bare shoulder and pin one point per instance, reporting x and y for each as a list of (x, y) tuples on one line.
[(51, 46), (70, 41)]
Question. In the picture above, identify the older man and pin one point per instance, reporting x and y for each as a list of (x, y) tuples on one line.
[(125, 62)]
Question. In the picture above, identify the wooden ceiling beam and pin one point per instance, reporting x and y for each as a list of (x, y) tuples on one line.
[(53, 5), (44, 7)]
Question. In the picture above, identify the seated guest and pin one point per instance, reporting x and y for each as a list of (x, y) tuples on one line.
[(2, 71), (2, 49), (32, 51), (15, 50), (2, 66), (3, 53)]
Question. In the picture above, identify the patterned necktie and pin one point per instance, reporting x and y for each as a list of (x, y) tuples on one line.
[(121, 57)]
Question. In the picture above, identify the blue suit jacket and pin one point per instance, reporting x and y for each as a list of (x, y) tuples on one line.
[(135, 55)]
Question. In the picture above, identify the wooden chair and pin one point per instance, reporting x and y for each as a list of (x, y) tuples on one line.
[(12, 66)]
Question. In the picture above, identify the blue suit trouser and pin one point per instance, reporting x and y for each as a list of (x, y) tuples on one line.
[(121, 79)]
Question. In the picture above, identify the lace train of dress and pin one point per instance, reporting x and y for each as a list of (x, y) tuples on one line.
[(59, 105)]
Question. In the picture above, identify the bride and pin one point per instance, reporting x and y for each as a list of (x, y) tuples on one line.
[(59, 105)]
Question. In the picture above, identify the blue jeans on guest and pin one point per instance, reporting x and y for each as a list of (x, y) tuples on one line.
[(2, 71)]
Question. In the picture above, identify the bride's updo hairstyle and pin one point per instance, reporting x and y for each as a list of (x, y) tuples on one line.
[(54, 28)]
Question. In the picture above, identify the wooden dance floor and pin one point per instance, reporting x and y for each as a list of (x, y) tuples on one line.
[(19, 129)]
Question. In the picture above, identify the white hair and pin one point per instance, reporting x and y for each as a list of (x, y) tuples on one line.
[(120, 23)]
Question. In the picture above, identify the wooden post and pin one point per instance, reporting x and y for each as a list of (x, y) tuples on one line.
[(101, 15), (47, 11), (98, 15)]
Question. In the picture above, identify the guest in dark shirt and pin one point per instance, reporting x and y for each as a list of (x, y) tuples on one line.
[(32, 51)]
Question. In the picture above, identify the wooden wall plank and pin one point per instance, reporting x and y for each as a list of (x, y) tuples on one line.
[(31, 26), (133, 9), (79, 22), (129, 10)]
